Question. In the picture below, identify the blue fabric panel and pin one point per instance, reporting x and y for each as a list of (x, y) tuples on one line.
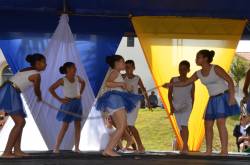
[(93, 50)]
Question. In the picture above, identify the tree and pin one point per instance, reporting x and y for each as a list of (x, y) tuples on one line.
[(238, 70)]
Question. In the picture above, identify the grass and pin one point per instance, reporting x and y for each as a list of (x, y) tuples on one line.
[(157, 133)]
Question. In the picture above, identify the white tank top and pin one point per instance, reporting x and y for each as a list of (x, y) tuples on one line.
[(71, 89), (118, 79), (182, 94), (21, 79), (215, 84), (133, 83)]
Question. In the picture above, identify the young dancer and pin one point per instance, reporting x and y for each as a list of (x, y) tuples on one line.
[(135, 82), (222, 103), (116, 101), (11, 102), (181, 101), (73, 87)]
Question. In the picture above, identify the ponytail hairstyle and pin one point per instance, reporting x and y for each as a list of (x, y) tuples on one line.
[(33, 58), (207, 54), (66, 65), (112, 59)]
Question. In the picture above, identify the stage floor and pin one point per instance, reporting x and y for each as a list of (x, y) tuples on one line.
[(149, 158)]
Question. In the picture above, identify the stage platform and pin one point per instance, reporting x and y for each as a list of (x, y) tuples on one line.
[(149, 158)]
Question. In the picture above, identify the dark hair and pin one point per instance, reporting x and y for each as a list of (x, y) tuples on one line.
[(112, 59), (185, 63), (63, 69), (33, 58), (207, 54), (131, 62)]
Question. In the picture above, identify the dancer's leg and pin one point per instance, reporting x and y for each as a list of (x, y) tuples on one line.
[(60, 136), (184, 136), (14, 136), (120, 121), (128, 138), (137, 137), (209, 133), (77, 135), (221, 124)]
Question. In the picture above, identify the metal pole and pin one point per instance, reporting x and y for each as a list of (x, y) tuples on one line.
[(65, 9)]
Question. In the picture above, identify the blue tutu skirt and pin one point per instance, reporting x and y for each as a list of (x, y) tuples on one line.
[(74, 106), (115, 100), (218, 107), (10, 100)]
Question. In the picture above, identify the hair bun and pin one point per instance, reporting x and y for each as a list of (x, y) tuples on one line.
[(29, 58), (62, 70), (212, 53)]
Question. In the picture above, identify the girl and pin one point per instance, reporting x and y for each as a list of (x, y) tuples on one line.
[(116, 101), (181, 101), (222, 103), (135, 82), (11, 102), (73, 87)]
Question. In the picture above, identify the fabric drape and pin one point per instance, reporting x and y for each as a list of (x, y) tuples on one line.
[(168, 40)]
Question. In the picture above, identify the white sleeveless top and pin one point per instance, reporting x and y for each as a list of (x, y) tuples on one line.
[(118, 79), (21, 79), (71, 89), (133, 83), (182, 94), (215, 84)]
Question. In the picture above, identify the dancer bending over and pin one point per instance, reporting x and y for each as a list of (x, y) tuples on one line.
[(221, 104), (116, 101), (181, 101), (11, 102), (135, 82), (73, 87)]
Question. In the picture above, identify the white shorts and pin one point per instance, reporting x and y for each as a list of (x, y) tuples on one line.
[(182, 117), (132, 116)]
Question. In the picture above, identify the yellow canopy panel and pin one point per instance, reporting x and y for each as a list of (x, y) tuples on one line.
[(168, 40)]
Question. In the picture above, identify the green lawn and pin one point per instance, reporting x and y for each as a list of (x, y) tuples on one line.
[(157, 133)]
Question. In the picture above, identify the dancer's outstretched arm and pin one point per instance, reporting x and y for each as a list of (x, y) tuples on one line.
[(189, 81)]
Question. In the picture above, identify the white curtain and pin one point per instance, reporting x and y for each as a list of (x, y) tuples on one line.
[(61, 49), (94, 136)]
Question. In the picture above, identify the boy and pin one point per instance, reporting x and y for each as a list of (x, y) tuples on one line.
[(135, 82), (181, 102)]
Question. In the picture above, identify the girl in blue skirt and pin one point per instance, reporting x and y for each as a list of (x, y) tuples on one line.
[(11, 102), (73, 87), (117, 101), (221, 104)]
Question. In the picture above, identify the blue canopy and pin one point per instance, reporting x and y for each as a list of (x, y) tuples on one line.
[(42, 15)]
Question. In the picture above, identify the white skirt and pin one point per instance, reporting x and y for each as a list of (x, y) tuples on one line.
[(182, 116), (132, 116)]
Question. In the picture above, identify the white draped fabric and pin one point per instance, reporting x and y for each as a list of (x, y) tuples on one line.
[(61, 49), (94, 136)]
